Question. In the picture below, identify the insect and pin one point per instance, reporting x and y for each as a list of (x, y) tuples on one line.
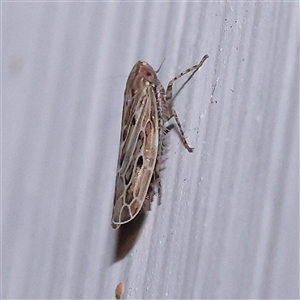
[(146, 109)]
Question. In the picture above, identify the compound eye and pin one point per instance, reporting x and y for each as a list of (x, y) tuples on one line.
[(148, 73), (150, 76)]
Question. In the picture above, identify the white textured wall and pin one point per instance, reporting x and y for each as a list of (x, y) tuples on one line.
[(228, 225)]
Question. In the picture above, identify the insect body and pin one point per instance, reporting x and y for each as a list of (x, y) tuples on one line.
[(146, 109)]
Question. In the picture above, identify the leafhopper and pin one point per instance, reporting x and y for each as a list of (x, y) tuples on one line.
[(146, 110)]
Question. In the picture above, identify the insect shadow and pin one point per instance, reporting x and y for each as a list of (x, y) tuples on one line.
[(128, 235)]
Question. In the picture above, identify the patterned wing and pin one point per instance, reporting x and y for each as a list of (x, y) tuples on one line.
[(138, 144)]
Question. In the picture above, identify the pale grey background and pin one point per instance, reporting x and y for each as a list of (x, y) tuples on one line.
[(228, 225)]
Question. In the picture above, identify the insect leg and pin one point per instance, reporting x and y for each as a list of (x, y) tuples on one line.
[(157, 180), (169, 94), (195, 68), (170, 113), (181, 133), (148, 200)]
